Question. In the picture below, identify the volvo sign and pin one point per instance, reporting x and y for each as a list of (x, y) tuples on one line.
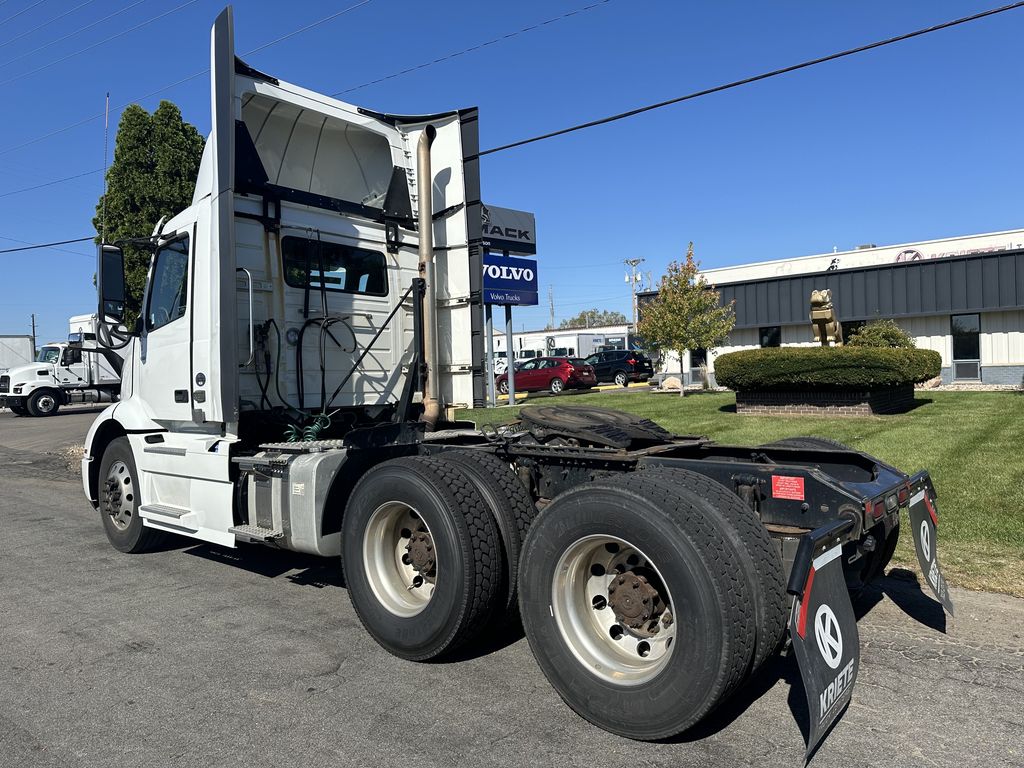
[(509, 281)]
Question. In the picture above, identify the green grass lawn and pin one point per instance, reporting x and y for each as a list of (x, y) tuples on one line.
[(972, 443)]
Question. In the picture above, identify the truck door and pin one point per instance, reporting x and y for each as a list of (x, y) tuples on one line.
[(165, 356), (73, 369)]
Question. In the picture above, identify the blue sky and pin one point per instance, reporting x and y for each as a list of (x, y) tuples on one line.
[(917, 141)]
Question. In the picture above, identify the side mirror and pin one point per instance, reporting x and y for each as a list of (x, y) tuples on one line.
[(111, 284)]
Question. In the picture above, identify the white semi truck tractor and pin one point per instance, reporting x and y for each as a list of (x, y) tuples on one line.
[(65, 372), (309, 324)]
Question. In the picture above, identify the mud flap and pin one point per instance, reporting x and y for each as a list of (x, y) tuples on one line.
[(823, 628), (924, 520)]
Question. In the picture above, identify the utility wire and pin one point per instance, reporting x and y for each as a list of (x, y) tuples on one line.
[(45, 245), (23, 10), (50, 183), (176, 83), (755, 78), (46, 23), (100, 43), (77, 31), (471, 49)]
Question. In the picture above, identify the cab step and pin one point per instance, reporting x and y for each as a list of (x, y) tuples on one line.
[(164, 511), (255, 533)]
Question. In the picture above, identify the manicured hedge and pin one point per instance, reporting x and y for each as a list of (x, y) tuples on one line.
[(830, 367)]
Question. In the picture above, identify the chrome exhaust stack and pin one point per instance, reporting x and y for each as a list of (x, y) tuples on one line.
[(424, 184)]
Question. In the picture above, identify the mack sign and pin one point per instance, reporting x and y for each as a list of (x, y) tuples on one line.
[(509, 281)]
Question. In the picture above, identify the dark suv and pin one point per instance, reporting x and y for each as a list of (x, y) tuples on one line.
[(621, 366)]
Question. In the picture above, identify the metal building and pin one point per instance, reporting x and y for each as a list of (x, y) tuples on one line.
[(962, 297)]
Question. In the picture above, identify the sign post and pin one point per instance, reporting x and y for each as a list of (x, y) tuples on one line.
[(507, 281)]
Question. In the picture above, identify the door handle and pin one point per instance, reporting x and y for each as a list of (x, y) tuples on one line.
[(252, 335)]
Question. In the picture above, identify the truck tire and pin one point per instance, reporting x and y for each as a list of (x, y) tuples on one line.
[(758, 555), (511, 508), (119, 501), (43, 402), (18, 410), (603, 566), (421, 557), (621, 379)]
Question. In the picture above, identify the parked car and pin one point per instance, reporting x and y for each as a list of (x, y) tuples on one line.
[(549, 373), (621, 366)]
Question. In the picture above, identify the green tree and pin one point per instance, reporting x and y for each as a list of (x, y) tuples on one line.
[(156, 160), (881, 333), (592, 318), (686, 313)]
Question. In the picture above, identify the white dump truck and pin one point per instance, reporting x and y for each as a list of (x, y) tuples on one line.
[(64, 372), (311, 320)]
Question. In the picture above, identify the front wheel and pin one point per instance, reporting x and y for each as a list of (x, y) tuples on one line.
[(18, 410), (44, 402), (621, 379), (556, 386), (633, 612), (119, 501)]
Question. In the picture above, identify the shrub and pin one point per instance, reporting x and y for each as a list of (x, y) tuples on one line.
[(881, 333), (825, 367)]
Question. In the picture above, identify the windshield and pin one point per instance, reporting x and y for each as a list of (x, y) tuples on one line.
[(48, 355)]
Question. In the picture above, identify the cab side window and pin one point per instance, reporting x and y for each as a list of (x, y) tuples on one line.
[(168, 291)]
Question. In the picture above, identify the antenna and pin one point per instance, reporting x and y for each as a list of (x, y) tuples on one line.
[(106, 134)]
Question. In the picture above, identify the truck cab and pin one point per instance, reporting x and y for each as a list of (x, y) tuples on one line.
[(64, 372)]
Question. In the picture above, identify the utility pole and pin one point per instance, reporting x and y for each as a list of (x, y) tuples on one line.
[(33, 335), (632, 278), (551, 307)]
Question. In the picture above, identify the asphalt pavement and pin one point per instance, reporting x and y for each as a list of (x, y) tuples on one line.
[(199, 656)]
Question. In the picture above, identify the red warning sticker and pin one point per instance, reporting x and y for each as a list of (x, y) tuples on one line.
[(786, 487)]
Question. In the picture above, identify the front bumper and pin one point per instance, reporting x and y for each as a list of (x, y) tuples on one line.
[(15, 401)]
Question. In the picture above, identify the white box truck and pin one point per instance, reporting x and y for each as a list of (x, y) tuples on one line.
[(309, 321), (78, 370), (15, 351)]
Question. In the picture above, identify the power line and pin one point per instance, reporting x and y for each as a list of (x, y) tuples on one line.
[(755, 78), (45, 245), (100, 43), (176, 83), (473, 48), (23, 10), (46, 23), (50, 183), (76, 32)]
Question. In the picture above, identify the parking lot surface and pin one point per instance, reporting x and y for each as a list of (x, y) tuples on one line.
[(199, 656)]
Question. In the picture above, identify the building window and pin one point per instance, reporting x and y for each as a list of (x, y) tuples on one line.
[(771, 336), (966, 331)]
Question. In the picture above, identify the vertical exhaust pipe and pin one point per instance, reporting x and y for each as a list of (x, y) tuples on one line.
[(424, 184)]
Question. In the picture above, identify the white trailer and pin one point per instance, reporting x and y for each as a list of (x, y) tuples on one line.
[(78, 370), (15, 351), (308, 323)]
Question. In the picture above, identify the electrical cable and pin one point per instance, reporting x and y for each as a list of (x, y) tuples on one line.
[(50, 183), (23, 10), (33, 246), (756, 78), (473, 48), (46, 23), (97, 45), (176, 83)]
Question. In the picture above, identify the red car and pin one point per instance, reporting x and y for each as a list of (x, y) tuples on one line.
[(550, 373)]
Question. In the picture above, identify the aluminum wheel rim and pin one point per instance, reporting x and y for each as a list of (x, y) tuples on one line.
[(395, 582), (120, 495), (620, 379), (587, 623), (556, 385), (45, 403)]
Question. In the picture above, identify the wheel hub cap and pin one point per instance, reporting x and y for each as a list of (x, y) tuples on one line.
[(635, 601), (421, 553)]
